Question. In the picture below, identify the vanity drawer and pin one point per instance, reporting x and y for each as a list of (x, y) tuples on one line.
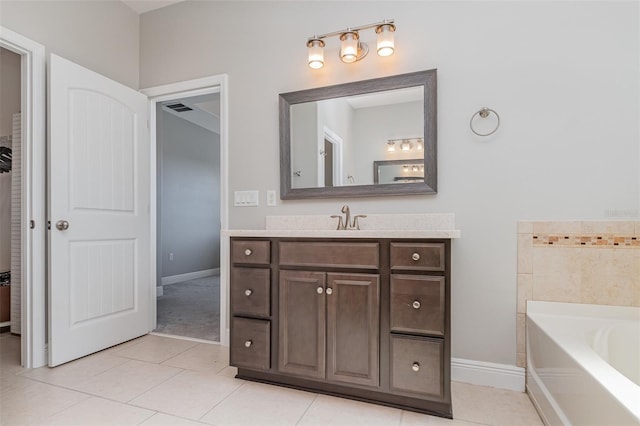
[(356, 255), (251, 252), (250, 343), (251, 292), (417, 365), (418, 304), (417, 256)]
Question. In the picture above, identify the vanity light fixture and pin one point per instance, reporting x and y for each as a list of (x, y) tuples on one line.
[(391, 146), (405, 145), (352, 49)]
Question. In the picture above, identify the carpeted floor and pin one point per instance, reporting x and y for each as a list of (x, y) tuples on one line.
[(191, 309)]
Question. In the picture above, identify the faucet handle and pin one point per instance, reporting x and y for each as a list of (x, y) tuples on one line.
[(340, 223), (356, 225)]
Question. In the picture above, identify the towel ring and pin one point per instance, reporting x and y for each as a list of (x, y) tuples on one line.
[(484, 113)]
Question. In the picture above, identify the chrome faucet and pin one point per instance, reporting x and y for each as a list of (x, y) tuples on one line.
[(346, 223)]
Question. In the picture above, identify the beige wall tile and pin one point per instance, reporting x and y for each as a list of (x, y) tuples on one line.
[(525, 254), (521, 359), (557, 287), (608, 227), (604, 262), (636, 281), (520, 333), (637, 228), (550, 260), (565, 227), (525, 291), (608, 290), (525, 227)]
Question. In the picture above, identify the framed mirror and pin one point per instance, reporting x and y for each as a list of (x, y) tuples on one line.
[(338, 141)]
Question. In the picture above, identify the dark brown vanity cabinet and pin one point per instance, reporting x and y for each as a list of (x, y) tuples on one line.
[(366, 319)]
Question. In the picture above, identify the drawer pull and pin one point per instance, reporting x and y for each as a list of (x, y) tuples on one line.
[(248, 343), (320, 290), (329, 291), (415, 256), (248, 292), (416, 304), (415, 367), (247, 252)]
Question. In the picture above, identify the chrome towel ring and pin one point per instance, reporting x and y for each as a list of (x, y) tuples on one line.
[(484, 113)]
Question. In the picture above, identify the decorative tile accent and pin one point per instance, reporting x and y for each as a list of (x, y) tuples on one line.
[(581, 240)]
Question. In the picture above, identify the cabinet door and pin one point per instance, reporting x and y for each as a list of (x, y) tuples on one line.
[(353, 328), (301, 333)]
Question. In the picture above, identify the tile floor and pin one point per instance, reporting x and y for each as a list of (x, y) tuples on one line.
[(156, 380)]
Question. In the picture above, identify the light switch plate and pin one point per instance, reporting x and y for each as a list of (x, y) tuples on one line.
[(271, 198), (245, 198)]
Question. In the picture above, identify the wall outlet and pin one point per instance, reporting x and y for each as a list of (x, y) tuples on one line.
[(171, 257), (271, 198), (245, 198)]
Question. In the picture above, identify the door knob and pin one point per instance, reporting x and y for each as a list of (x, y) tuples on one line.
[(62, 225)]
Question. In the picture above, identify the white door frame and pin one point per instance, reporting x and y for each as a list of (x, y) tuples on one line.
[(201, 86), (33, 326)]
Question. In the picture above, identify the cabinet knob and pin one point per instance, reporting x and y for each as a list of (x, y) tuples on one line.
[(247, 252), (416, 304), (329, 291), (248, 343), (248, 292), (415, 367), (415, 256), (320, 290)]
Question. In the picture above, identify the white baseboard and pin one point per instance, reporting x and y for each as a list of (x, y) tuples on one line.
[(189, 276), (501, 376)]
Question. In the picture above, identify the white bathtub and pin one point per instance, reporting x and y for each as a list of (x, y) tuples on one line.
[(583, 363)]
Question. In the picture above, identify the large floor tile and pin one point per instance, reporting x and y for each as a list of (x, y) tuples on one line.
[(410, 418), (127, 381), (155, 349), (201, 357), (75, 372), (100, 411), (329, 410), (228, 372), (161, 419), (10, 354), (482, 404), (190, 394), (33, 402), (258, 404)]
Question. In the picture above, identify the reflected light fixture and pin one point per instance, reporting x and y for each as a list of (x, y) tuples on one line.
[(405, 145), (351, 48)]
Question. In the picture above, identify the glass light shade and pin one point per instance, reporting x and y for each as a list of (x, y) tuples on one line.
[(316, 53), (391, 146), (405, 145), (386, 45), (419, 145), (349, 48)]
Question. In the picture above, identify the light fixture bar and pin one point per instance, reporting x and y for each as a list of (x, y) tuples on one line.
[(352, 29)]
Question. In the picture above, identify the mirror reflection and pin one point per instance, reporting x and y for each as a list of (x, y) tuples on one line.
[(338, 141)]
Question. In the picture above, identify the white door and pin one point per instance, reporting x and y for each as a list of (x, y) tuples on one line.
[(99, 267)]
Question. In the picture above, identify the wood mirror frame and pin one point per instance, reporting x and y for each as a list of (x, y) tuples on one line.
[(426, 79)]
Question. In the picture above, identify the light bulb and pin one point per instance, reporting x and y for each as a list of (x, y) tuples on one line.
[(316, 53), (386, 45), (349, 48)]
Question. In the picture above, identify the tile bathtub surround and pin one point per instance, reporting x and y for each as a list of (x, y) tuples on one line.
[(130, 385), (595, 262)]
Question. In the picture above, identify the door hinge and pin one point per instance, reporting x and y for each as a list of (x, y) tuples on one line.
[(49, 224), (32, 224)]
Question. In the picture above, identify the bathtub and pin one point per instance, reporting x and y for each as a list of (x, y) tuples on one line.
[(583, 363)]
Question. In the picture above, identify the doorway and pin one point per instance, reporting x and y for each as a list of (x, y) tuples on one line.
[(188, 217)]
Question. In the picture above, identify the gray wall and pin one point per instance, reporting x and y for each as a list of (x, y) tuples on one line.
[(562, 75), (189, 199), (101, 35)]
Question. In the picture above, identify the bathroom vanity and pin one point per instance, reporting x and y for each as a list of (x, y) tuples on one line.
[(361, 314)]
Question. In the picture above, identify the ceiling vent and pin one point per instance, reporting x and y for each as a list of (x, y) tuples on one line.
[(179, 107)]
